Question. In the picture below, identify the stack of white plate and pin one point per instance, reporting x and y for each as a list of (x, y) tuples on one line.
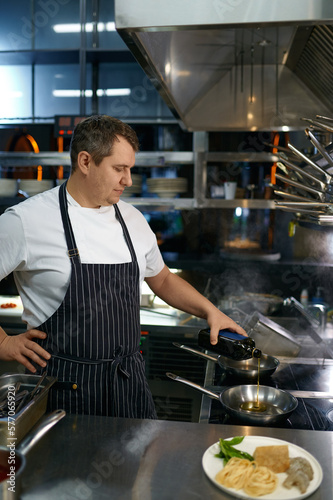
[(8, 187), (136, 186), (32, 186), (166, 187)]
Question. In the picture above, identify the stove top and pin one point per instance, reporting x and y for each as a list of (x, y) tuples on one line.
[(311, 414)]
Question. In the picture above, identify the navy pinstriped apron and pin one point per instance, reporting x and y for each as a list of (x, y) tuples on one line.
[(94, 336)]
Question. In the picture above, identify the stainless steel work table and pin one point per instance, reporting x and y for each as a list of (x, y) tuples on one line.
[(86, 457)]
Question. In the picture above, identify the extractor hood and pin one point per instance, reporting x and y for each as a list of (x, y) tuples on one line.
[(235, 64)]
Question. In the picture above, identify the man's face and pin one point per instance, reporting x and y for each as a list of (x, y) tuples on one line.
[(107, 181)]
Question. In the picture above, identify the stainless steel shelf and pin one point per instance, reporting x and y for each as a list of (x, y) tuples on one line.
[(151, 159), (243, 203), (143, 159), (164, 158), (162, 204), (33, 159), (250, 157)]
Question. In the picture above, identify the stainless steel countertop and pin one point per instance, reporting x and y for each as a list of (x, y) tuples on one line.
[(100, 458)]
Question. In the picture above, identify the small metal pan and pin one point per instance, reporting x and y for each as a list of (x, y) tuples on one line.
[(280, 404), (246, 369)]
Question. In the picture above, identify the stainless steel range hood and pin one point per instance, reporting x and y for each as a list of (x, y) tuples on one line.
[(235, 64)]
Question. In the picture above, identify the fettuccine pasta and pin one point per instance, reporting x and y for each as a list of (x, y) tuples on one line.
[(254, 479)]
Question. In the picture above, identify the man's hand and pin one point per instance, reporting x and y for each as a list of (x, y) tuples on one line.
[(22, 348), (217, 321)]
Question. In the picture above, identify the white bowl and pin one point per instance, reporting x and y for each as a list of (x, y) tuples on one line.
[(8, 187), (32, 186)]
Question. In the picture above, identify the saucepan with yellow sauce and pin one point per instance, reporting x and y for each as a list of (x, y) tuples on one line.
[(250, 404)]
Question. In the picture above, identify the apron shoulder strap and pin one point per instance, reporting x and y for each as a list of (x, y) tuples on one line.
[(126, 233), (73, 251)]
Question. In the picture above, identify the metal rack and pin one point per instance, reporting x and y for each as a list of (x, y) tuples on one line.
[(198, 158)]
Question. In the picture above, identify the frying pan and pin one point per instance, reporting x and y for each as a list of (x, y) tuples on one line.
[(280, 404), (246, 369)]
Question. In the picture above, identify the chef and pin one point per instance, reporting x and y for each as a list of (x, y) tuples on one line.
[(79, 256)]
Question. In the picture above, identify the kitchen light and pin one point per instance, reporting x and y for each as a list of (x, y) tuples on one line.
[(76, 27), (113, 92), (89, 93)]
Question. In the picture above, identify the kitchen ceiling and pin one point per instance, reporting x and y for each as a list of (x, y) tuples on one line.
[(230, 64)]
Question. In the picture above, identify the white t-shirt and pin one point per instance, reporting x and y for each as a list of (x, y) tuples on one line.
[(33, 245)]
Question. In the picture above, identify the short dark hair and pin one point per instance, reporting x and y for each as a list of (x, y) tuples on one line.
[(97, 134)]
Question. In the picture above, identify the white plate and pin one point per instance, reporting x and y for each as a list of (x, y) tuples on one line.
[(212, 465)]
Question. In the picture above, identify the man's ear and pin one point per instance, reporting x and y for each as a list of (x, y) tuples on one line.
[(83, 161)]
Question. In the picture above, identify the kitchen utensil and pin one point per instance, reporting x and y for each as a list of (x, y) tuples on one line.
[(279, 404), (295, 174), (13, 455), (291, 196), (322, 196), (304, 204), (327, 176), (319, 125), (306, 176), (319, 146), (299, 211), (28, 415), (30, 395), (245, 369)]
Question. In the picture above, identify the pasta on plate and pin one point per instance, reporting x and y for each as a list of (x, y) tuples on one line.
[(254, 479)]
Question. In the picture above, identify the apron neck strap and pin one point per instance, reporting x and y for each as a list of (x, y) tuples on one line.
[(126, 233), (73, 251)]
